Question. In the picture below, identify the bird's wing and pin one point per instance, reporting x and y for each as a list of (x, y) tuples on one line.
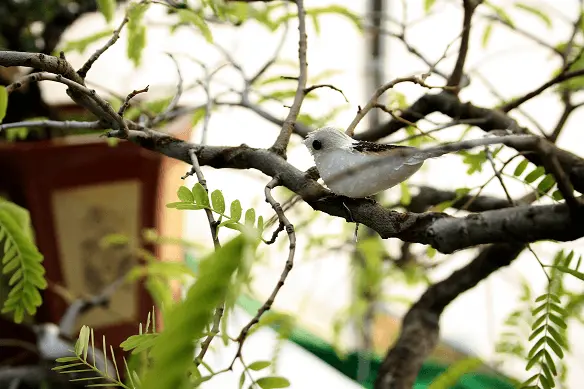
[(377, 148)]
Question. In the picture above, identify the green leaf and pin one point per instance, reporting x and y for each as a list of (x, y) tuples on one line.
[(475, 161), (558, 321), (139, 343), (235, 211), (136, 44), (190, 207), (186, 321), (486, 35), (452, 375), (536, 12), (556, 336), (136, 32), (218, 201), (242, 379), (250, 216), (406, 197), (428, 5), (535, 174), (198, 115), (82, 343), (201, 197), (550, 362), (521, 168), (107, 8), (546, 184), (185, 195), (260, 223), (557, 195), (574, 273), (500, 12), (555, 347), (67, 359), (3, 102), (20, 256), (259, 365), (273, 382), (189, 16), (538, 331)]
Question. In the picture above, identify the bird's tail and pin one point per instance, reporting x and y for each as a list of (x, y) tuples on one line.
[(437, 151)]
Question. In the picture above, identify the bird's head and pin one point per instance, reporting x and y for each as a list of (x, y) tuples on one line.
[(327, 139)]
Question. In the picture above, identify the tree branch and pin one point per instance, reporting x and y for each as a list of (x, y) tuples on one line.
[(380, 91), (443, 232), (95, 56), (457, 73), (420, 327), (564, 76), (281, 143)]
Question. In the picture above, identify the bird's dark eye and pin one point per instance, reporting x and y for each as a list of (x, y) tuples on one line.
[(316, 145)]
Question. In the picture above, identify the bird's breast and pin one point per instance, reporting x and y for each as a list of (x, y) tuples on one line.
[(359, 175)]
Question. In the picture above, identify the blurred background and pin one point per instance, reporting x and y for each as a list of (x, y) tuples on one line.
[(322, 345)]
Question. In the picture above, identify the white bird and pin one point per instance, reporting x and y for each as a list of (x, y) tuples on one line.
[(360, 169)]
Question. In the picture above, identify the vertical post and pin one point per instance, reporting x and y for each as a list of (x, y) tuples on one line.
[(375, 76)]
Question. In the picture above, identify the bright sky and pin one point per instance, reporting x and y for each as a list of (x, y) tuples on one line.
[(319, 288)]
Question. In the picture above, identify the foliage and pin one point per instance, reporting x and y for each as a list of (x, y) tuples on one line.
[(85, 360), (20, 260), (542, 321), (197, 198)]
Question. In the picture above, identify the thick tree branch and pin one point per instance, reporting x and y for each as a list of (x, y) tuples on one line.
[(420, 327), (439, 230), (48, 63)]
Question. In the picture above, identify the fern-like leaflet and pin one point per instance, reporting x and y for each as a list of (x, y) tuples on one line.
[(91, 364), (21, 260), (549, 327), (144, 340)]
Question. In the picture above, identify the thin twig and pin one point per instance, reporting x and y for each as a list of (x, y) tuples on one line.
[(313, 87), (95, 56), (527, 34), (381, 90), (563, 76), (405, 121), (281, 143), (413, 50), (275, 234), (273, 59), (130, 97), (67, 124), (442, 127), (498, 175), (498, 95), (175, 99), (196, 169), (287, 268)]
